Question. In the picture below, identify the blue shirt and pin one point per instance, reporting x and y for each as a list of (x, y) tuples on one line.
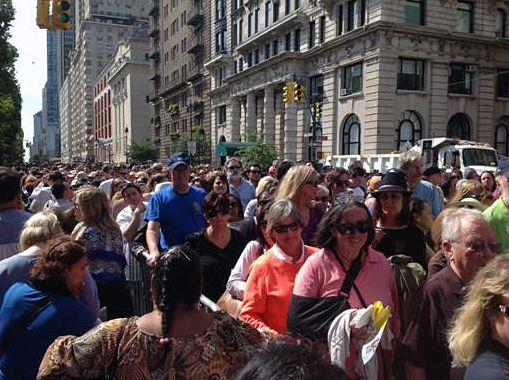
[(245, 192), (63, 316), (178, 214), (12, 222), (427, 192)]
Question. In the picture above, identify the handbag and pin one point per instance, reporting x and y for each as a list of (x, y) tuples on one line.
[(311, 317)]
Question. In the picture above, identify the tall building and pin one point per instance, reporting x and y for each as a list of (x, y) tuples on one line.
[(65, 43), (99, 25), (50, 113), (37, 148), (180, 46), (387, 72)]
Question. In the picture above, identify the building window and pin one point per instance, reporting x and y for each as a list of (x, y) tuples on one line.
[(414, 12), (409, 130), (500, 23), (288, 42), (221, 114), (296, 40), (297, 4), (503, 83), (312, 34), (256, 56), (267, 51), (241, 27), (249, 24), (465, 17), (275, 47), (256, 19), (275, 7), (321, 37), (234, 34), (241, 64), (352, 79), (352, 135), (221, 41), (502, 137), (220, 10), (339, 20), (410, 74), (249, 59), (461, 78), (316, 88), (268, 13), (459, 127), (287, 6), (356, 14)]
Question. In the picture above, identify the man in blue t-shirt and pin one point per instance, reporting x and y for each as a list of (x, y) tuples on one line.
[(176, 211)]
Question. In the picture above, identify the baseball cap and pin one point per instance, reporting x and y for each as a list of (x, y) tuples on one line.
[(503, 167), (179, 158)]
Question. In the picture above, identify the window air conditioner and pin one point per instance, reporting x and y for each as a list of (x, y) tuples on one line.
[(345, 91), (472, 68)]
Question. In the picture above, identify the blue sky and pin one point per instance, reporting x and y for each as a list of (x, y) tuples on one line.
[(31, 64)]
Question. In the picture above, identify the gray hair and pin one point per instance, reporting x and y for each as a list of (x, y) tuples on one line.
[(322, 190), (451, 225), (232, 159), (408, 158), (282, 209)]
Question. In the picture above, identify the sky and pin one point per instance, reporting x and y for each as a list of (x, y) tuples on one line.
[(31, 64)]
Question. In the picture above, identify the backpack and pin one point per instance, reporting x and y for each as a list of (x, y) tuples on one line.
[(409, 277)]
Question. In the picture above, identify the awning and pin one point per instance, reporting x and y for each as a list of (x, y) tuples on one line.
[(230, 147)]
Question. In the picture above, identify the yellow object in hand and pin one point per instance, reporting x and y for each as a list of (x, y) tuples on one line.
[(380, 314)]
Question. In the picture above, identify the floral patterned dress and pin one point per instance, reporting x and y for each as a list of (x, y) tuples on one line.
[(216, 354)]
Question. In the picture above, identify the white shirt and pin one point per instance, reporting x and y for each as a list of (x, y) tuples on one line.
[(236, 284)]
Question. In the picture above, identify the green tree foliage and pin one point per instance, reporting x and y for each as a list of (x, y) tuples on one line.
[(11, 134), (202, 154), (260, 152), (142, 151)]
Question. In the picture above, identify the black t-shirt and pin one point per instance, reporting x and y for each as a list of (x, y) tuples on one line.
[(217, 263), (404, 241)]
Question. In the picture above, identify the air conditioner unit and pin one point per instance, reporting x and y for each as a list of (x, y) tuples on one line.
[(345, 91), (472, 68)]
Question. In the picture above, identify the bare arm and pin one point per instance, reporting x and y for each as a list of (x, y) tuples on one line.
[(153, 234), (414, 373), (132, 229)]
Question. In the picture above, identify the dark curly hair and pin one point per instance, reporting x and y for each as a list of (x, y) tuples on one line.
[(215, 201), (48, 272), (177, 281)]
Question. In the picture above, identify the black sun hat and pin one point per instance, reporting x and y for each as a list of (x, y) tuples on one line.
[(393, 180)]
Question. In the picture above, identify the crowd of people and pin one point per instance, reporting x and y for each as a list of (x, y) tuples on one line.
[(306, 273)]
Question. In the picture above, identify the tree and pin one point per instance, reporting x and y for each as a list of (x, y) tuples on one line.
[(11, 133), (202, 153), (260, 152), (143, 151)]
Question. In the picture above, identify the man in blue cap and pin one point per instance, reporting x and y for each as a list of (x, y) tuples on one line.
[(176, 211)]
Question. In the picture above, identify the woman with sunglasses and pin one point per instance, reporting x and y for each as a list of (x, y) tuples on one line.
[(299, 185), (344, 236), (479, 337), (399, 236), (270, 282), (218, 244)]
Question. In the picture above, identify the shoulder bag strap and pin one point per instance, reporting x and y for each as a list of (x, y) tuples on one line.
[(350, 277), (23, 322)]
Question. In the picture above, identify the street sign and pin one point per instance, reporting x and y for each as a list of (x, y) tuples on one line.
[(315, 144), (191, 147)]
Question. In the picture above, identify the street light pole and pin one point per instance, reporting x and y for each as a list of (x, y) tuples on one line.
[(126, 130)]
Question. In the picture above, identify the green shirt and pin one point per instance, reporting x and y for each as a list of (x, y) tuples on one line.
[(498, 216)]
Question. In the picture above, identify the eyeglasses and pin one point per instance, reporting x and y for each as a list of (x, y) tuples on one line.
[(312, 183), (479, 247), (213, 213), (283, 228), (233, 167), (350, 228)]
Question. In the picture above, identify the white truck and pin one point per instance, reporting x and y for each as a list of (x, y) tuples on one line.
[(446, 153)]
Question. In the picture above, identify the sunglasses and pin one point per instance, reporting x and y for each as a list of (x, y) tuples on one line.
[(283, 228), (233, 167), (313, 183), (481, 247), (350, 228), (213, 213), (255, 171)]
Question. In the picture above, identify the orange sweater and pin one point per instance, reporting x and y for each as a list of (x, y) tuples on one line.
[(269, 290)]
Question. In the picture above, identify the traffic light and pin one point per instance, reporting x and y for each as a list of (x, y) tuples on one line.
[(61, 10), (43, 14), (298, 92), (287, 92), (318, 110)]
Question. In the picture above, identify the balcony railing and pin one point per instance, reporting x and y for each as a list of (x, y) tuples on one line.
[(195, 17), (195, 45), (195, 73)]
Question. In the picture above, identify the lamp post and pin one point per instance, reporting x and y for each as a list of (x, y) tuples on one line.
[(126, 131)]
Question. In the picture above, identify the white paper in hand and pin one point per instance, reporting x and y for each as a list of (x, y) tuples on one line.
[(369, 349)]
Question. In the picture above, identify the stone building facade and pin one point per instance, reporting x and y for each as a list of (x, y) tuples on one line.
[(179, 47), (388, 73)]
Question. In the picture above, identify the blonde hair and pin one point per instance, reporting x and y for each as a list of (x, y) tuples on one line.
[(468, 188), (471, 323), (95, 209), (40, 228), (264, 183), (293, 180)]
